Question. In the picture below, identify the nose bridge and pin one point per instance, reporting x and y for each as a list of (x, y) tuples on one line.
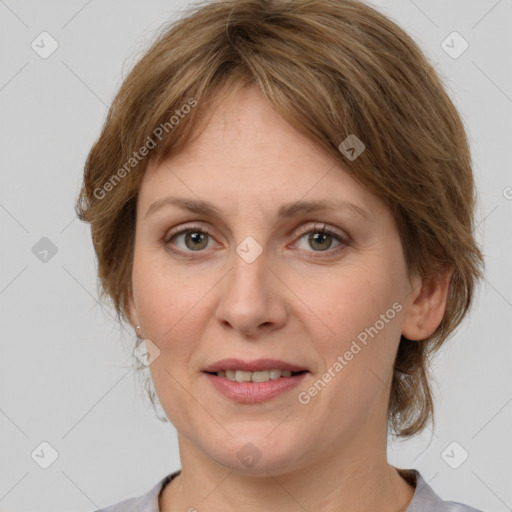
[(249, 268), (248, 297)]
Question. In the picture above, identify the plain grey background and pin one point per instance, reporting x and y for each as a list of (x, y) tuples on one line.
[(65, 376)]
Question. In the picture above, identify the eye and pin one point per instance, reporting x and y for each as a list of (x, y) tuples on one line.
[(320, 237), (194, 238)]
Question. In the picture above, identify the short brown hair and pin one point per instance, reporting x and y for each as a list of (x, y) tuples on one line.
[(331, 68)]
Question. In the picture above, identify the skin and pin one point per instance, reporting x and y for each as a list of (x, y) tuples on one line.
[(299, 301)]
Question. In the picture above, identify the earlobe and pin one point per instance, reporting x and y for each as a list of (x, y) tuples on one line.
[(427, 311)]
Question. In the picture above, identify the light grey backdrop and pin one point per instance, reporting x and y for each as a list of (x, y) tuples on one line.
[(65, 376)]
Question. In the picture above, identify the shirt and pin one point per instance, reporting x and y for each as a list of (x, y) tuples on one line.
[(424, 499)]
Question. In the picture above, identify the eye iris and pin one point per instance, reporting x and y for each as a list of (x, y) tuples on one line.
[(196, 237), (323, 236)]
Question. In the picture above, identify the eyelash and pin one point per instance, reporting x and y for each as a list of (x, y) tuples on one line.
[(197, 228)]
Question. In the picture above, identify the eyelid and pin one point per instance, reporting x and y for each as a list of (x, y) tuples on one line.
[(326, 228), (185, 227)]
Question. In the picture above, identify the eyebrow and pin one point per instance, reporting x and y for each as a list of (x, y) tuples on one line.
[(286, 210)]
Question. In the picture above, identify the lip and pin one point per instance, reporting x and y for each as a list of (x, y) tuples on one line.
[(254, 392), (253, 366)]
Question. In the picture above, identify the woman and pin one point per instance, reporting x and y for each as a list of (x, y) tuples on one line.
[(281, 202)]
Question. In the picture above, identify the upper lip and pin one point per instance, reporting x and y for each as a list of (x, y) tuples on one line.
[(253, 366)]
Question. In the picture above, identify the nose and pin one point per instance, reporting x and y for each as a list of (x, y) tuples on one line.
[(253, 298)]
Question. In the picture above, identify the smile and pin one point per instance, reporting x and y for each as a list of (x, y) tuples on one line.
[(252, 391)]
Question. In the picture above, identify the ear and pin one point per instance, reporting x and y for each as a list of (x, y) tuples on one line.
[(427, 311)]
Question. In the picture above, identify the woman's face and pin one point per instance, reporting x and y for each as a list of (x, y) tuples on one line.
[(261, 285)]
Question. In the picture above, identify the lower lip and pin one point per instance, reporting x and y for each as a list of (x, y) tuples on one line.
[(254, 392)]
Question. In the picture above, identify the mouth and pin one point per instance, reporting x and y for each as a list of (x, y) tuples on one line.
[(254, 381), (257, 376)]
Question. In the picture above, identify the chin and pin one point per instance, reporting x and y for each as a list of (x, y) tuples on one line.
[(258, 454)]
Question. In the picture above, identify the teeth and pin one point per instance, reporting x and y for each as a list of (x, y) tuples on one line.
[(242, 376), (259, 376), (275, 374)]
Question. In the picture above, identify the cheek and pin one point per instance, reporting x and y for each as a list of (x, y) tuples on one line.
[(357, 300), (169, 308), (165, 297), (364, 315), (363, 310)]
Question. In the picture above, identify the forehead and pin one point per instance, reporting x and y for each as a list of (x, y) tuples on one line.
[(247, 155)]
